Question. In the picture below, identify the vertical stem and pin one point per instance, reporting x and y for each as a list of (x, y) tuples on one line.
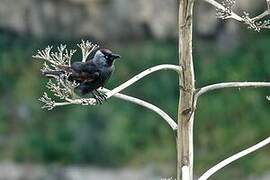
[(187, 88)]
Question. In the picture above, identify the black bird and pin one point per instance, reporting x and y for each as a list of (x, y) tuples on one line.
[(92, 74)]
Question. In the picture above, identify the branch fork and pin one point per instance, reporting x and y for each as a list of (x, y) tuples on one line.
[(225, 11), (219, 86)]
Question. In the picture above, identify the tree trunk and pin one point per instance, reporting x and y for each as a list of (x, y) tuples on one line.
[(187, 89)]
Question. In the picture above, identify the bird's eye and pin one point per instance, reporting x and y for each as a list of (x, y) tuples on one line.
[(106, 57)]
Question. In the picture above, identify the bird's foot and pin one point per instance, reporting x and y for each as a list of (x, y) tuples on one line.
[(99, 96), (102, 95)]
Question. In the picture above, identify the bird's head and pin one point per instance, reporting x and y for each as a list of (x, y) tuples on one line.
[(106, 56)]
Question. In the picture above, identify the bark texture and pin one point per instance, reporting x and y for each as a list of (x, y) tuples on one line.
[(187, 89)]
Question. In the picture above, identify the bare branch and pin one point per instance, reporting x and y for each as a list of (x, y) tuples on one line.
[(185, 119), (257, 23), (224, 11), (221, 7), (212, 87), (261, 16), (233, 158), (143, 74), (205, 89), (147, 105), (134, 100)]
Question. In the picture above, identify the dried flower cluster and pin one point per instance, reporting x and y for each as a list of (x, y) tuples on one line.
[(59, 85), (225, 13), (256, 23)]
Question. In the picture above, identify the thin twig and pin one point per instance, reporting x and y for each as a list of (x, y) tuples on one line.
[(212, 87), (134, 100), (256, 23), (233, 158), (143, 74), (219, 6), (147, 105), (260, 16)]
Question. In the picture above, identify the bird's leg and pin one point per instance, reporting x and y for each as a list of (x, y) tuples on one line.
[(102, 95)]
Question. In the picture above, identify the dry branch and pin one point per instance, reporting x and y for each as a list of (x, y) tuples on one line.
[(224, 85), (134, 100), (146, 72), (233, 15), (187, 90), (256, 23), (147, 105), (233, 158)]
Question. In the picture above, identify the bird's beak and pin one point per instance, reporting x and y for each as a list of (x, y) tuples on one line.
[(116, 56)]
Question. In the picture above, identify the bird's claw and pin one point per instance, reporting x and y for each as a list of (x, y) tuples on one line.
[(98, 99), (103, 96), (99, 96)]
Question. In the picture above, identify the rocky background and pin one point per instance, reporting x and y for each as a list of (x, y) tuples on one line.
[(11, 171), (109, 19)]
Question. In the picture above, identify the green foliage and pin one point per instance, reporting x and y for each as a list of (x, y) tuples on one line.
[(119, 132)]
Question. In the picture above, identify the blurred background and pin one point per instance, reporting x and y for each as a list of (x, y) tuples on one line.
[(120, 140)]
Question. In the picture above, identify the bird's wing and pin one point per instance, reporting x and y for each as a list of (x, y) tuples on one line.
[(77, 66), (84, 72), (92, 72), (90, 77)]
